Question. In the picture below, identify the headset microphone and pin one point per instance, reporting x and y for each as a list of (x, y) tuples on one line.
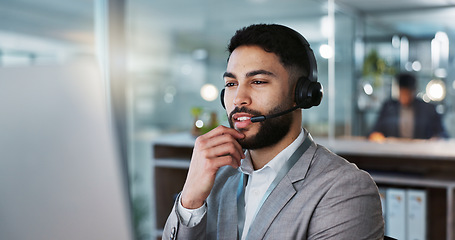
[(262, 118)]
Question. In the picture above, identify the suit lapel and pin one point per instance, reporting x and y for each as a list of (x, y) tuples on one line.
[(227, 215), (270, 209), (281, 195)]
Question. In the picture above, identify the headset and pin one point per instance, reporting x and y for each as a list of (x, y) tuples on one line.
[(308, 91)]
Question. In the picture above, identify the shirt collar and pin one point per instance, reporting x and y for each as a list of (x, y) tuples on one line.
[(278, 161)]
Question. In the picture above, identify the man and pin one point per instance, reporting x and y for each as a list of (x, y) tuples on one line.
[(409, 117), (284, 186)]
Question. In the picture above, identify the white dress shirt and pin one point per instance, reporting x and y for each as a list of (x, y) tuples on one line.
[(406, 122), (258, 183)]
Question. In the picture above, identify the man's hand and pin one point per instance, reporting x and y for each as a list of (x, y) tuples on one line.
[(212, 151)]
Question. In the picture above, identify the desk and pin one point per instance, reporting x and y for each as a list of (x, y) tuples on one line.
[(420, 157), (413, 164)]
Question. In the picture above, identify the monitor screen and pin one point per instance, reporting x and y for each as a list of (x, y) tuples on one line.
[(60, 174)]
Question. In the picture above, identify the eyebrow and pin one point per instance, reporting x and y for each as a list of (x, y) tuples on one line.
[(250, 74), (229, 75)]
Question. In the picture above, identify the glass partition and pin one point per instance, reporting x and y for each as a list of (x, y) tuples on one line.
[(418, 41)]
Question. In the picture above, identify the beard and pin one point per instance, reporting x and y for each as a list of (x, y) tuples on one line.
[(270, 132)]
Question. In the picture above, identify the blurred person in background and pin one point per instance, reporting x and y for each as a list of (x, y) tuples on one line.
[(409, 117)]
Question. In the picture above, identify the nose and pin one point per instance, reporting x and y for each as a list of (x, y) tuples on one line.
[(242, 96)]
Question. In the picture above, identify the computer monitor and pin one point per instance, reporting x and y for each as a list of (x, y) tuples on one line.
[(60, 174)]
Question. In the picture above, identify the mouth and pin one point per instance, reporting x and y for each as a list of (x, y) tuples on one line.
[(241, 120), (241, 117)]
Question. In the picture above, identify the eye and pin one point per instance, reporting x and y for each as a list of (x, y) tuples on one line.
[(229, 84), (257, 82)]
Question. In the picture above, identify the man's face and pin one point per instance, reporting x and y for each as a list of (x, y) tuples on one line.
[(257, 84), (406, 96)]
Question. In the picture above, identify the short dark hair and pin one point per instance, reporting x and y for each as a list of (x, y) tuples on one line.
[(277, 39), (407, 80)]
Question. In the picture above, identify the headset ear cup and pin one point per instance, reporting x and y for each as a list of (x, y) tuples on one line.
[(222, 98), (308, 93), (301, 91), (315, 93)]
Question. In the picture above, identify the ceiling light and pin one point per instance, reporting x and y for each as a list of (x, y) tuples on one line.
[(209, 92), (326, 51), (436, 90), (416, 66), (368, 89), (396, 41)]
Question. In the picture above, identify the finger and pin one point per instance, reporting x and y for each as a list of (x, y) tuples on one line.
[(225, 149), (221, 136), (224, 139), (236, 154), (220, 130), (227, 160)]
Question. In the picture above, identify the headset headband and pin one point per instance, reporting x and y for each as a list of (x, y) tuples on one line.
[(312, 65)]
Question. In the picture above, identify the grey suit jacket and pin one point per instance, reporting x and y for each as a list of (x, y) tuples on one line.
[(322, 197)]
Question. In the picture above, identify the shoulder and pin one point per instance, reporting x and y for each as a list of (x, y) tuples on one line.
[(340, 190), (392, 103), (419, 103), (330, 161), (333, 168)]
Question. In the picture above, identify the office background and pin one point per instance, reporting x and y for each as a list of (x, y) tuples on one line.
[(163, 60)]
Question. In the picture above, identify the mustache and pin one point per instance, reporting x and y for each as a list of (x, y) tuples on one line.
[(244, 110)]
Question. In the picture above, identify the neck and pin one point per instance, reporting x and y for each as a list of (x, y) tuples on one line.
[(260, 157)]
